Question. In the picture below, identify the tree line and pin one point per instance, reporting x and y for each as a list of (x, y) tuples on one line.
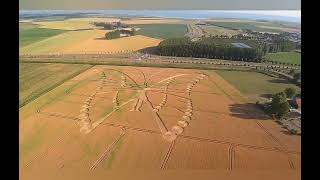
[(110, 26), (206, 48)]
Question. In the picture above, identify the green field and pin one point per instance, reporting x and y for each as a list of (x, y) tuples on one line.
[(26, 26), (228, 41), (215, 30), (162, 31), (254, 26), (36, 79), (224, 41), (29, 33), (285, 57), (254, 84)]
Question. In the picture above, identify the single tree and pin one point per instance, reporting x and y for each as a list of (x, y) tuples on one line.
[(279, 105), (290, 92)]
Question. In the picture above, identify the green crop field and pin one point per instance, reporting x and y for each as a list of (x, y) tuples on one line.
[(254, 26), (162, 31), (223, 41), (29, 34), (285, 57), (215, 30), (254, 84), (36, 79), (26, 26)]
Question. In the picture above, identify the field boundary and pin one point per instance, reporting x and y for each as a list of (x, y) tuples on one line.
[(159, 65), (54, 86), (109, 149)]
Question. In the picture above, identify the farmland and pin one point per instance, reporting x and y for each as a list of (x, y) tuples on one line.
[(284, 57), (26, 26), (162, 31), (70, 24), (86, 42), (36, 79), (254, 84), (88, 104), (224, 41), (152, 21), (216, 30), (254, 26), (30, 33), (111, 117)]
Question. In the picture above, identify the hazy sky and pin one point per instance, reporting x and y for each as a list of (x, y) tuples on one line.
[(160, 4), (292, 13)]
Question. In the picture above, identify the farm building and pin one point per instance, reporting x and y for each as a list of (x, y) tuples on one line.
[(240, 45), (295, 103)]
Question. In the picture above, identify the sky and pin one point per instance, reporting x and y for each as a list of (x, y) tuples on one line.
[(160, 4), (292, 13)]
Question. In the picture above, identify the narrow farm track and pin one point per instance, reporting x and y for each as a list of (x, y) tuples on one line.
[(270, 135), (167, 156), (59, 115), (131, 128), (136, 84), (108, 150), (231, 156), (166, 79), (97, 123), (158, 91), (154, 74), (282, 148), (156, 116), (273, 149), (86, 95), (144, 76), (222, 90)]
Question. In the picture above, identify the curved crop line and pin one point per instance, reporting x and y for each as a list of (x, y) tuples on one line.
[(125, 75)]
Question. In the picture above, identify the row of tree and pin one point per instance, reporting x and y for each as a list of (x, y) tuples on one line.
[(283, 63), (110, 26), (206, 48)]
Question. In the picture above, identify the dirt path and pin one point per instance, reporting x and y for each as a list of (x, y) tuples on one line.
[(231, 156), (156, 116), (282, 147), (97, 123), (108, 150), (195, 32), (167, 156), (166, 79), (144, 76)]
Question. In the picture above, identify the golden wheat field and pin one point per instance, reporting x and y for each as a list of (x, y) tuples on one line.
[(118, 118), (73, 24), (87, 42)]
